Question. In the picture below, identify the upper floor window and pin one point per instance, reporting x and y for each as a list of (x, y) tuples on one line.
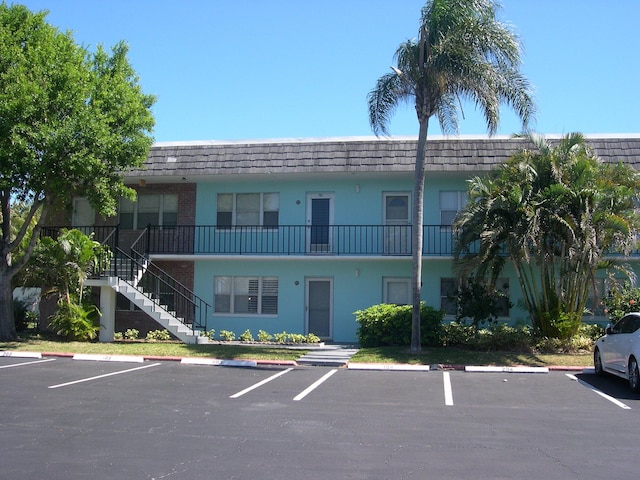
[(149, 209), (242, 209), (451, 202)]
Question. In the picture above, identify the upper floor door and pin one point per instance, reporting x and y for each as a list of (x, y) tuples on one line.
[(397, 223), (320, 222)]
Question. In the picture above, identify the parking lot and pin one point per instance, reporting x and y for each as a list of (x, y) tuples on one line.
[(64, 418)]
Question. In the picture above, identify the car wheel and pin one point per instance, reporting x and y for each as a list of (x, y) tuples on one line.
[(634, 375), (597, 362)]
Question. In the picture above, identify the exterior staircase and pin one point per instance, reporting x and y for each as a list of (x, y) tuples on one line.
[(153, 291), (157, 294), (151, 305)]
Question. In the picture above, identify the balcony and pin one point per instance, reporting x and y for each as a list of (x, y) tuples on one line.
[(294, 240)]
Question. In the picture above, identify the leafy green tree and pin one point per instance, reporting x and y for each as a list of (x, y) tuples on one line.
[(462, 52), (71, 122), (556, 214)]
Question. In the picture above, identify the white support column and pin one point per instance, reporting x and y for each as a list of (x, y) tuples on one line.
[(108, 310)]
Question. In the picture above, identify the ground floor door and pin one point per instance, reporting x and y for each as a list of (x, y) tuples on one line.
[(319, 307)]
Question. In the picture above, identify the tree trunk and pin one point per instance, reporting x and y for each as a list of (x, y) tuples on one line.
[(416, 235), (7, 324)]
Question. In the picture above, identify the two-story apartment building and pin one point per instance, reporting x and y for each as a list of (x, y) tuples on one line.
[(292, 235)]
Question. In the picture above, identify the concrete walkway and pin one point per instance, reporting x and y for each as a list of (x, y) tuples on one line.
[(328, 356)]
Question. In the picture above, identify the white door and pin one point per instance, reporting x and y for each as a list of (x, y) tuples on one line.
[(319, 307), (397, 220), (319, 222)]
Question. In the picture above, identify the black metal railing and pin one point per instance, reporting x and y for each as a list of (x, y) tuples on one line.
[(152, 281), (364, 240), (161, 287)]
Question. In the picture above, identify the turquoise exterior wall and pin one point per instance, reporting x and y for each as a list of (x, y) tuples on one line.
[(357, 282)]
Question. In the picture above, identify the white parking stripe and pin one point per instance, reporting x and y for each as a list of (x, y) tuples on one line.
[(448, 392), (313, 386), (28, 363), (259, 384), (103, 376), (602, 394)]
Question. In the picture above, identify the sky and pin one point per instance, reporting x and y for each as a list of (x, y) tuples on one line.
[(264, 69)]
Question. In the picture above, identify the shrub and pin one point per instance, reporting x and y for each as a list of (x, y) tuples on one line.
[(158, 335), (497, 337), (390, 325), (227, 335), (281, 337), (118, 336), (591, 331), (311, 338), (246, 336), (131, 334), (75, 322), (210, 334), (456, 334), (264, 336), (501, 337), (480, 302), (621, 301), (296, 338)]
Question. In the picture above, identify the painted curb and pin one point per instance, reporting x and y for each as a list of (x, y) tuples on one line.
[(488, 369), (218, 362), (58, 354), (9, 353), (276, 363), (388, 367), (108, 358)]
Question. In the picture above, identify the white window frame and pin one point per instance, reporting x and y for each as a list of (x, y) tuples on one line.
[(461, 201), (232, 282), (387, 281), (161, 209), (261, 209)]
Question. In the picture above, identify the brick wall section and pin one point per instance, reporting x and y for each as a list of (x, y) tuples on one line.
[(186, 209), (182, 271)]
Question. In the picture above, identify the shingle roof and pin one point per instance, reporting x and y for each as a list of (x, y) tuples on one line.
[(353, 155)]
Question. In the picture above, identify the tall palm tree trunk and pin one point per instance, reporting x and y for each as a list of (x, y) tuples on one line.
[(416, 234)]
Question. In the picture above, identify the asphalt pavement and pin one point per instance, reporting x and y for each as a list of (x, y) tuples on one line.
[(113, 419)]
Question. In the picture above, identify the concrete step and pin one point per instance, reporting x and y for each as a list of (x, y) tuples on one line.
[(329, 357)]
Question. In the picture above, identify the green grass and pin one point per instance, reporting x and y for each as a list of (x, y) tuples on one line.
[(459, 356), (39, 343), (429, 356)]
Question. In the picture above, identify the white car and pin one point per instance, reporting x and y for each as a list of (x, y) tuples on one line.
[(618, 352)]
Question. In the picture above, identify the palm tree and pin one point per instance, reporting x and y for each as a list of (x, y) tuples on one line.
[(555, 212), (463, 53)]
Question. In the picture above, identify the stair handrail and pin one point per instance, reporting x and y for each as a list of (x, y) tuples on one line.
[(190, 309)]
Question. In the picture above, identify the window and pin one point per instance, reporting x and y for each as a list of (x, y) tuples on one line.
[(396, 291), (451, 202), (149, 209), (448, 293), (246, 295), (248, 209)]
